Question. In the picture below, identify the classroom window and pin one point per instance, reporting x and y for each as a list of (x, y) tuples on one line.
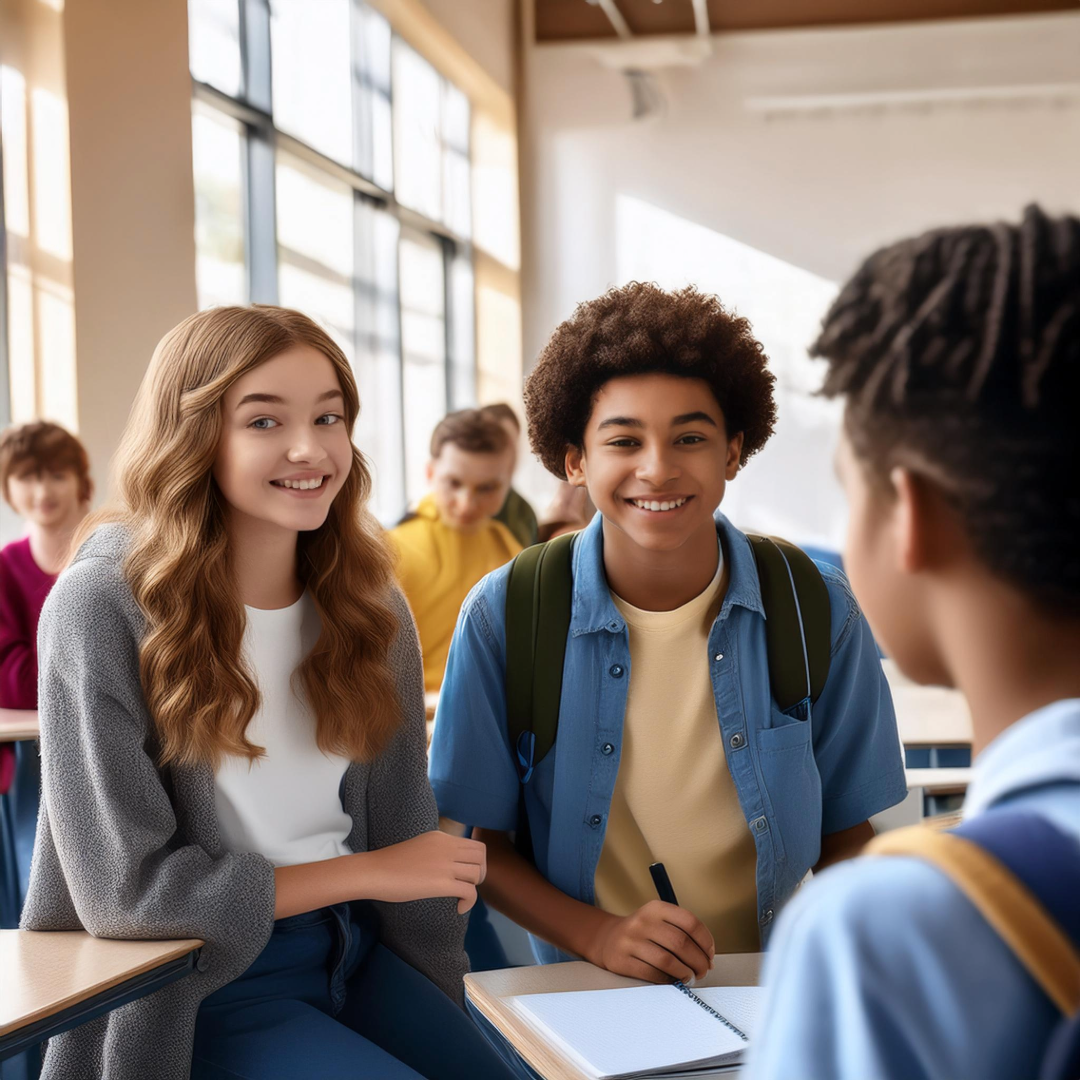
[(332, 174), (431, 142), (214, 44), (307, 38), (217, 148), (423, 346), (315, 248)]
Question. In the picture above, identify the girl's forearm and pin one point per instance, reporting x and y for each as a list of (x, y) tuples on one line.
[(308, 886)]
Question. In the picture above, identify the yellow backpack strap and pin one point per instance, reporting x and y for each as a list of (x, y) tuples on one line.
[(1016, 915)]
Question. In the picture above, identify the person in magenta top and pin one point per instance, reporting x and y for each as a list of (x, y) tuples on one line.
[(45, 479)]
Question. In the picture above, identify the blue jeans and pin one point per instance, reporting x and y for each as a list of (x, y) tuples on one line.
[(18, 824), (326, 999)]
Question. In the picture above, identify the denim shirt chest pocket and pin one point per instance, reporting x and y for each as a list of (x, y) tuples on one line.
[(793, 785)]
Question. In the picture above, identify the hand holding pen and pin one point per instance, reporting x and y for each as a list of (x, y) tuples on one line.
[(659, 942)]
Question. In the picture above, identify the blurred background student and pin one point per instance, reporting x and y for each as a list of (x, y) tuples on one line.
[(45, 479), (516, 513), (453, 539)]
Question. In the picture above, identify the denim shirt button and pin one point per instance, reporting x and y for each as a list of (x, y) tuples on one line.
[(760, 824), (736, 741), (613, 626), (766, 915), (616, 671), (595, 820), (719, 657), (607, 749)]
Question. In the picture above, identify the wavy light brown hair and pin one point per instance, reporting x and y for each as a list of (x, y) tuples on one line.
[(199, 693)]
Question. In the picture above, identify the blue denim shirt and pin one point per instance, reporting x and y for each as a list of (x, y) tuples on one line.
[(797, 775)]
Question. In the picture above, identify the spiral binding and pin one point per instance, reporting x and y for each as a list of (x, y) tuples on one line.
[(709, 1009)]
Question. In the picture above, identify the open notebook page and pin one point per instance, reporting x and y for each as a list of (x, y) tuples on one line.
[(642, 1030)]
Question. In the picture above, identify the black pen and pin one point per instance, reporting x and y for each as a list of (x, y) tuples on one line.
[(663, 884), (667, 894)]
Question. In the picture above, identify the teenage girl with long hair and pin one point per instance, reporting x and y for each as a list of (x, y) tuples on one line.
[(233, 738)]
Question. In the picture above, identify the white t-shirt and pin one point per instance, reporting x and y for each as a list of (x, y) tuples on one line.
[(287, 804)]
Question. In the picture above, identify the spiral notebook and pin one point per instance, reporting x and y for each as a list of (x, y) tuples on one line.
[(646, 1031)]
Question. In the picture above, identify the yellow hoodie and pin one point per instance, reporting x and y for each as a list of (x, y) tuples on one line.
[(437, 565)]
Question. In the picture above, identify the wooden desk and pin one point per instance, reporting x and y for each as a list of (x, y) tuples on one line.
[(488, 991), (18, 724), (939, 781), (57, 980)]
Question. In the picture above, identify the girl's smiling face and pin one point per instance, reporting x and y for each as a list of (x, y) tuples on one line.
[(285, 450), (657, 457)]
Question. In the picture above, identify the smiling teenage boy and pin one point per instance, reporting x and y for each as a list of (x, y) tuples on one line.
[(670, 747)]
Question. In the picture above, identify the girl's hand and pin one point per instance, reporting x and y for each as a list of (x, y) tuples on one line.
[(659, 943), (431, 864)]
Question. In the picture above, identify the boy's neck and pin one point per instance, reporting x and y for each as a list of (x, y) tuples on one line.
[(49, 544), (660, 580), (1009, 659)]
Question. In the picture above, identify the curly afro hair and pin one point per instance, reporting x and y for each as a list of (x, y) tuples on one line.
[(639, 329)]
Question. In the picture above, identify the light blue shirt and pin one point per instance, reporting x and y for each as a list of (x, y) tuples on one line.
[(882, 970), (797, 775)]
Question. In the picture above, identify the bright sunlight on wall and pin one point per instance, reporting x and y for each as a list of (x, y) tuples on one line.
[(789, 488)]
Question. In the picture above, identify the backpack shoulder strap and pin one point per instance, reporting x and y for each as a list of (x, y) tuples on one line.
[(798, 623), (538, 602), (1022, 874)]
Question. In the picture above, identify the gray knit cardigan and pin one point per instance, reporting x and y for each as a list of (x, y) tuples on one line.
[(128, 850)]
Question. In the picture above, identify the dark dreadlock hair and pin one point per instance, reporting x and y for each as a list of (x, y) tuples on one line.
[(959, 354)]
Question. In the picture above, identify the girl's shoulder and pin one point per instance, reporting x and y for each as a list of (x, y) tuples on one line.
[(92, 592)]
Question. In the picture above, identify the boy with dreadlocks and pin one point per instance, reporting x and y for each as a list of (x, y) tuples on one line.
[(958, 355)]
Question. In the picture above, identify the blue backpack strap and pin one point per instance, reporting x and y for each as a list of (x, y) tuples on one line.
[(1045, 859)]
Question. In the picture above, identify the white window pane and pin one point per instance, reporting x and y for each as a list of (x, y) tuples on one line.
[(374, 74), (423, 348), (315, 249), (457, 211), (314, 215), (463, 332), (217, 146), (328, 302), (214, 44), (378, 367), (455, 118), (312, 75), (417, 151), (457, 208), (382, 138)]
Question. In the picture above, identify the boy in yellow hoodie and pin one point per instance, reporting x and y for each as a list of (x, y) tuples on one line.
[(452, 540)]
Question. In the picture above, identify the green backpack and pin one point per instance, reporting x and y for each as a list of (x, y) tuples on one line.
[(538, 601)]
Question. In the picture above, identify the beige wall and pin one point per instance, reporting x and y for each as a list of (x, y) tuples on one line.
[(811, 147), (486, 30), (133, 202)]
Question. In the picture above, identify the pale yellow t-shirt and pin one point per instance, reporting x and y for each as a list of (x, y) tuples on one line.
[(437, 566), (674, 799)]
